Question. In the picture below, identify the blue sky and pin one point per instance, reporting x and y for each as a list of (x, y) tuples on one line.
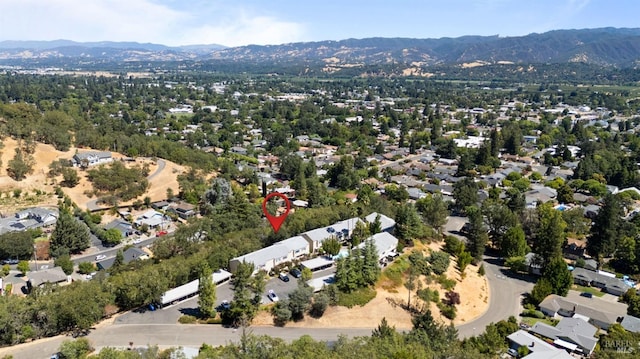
[(244, 22)]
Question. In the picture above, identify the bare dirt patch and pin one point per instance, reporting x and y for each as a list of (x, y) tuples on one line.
[(38, 180), (473, 290)]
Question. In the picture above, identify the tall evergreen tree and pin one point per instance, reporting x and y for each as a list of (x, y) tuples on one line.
[(550, 234), (207, 292), (606, 227), (477, 237), (70, 235)]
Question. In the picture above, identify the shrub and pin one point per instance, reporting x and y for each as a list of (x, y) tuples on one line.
[(446, 283), (439, 262), (481, 271), (429, 295), (360, 296), (187, 319), (452, 298), (453, 245), (533, 314), (216, 320), (448, 311), (86, 267), (320, 304)]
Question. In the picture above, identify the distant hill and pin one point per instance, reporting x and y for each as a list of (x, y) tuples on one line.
[(605, 46), (619, 47)]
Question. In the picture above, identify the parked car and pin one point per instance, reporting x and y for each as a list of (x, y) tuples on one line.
[(296, 273), (513, 352), (283, 277), (100, 257), (161, 233), (11, 261), (586, 294), (273, 296), (225, 305)]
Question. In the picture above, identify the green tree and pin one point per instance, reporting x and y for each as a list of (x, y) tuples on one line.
[(86, 267), (409, 226), (606, 228), (281, 313), (514, 243), (6, 269), (541, 290), (559, 276), (464, 259), (206, 292), (112, 237), (70, 177), (16, 245), (70, 235), (300, 300), (477, 233), (550, 234), (434, 210), (75, 349), (23, 267), (465, 193), (319, 305), (499, 219), (331, 246), (21, 165), (439, 262), (64, 262)]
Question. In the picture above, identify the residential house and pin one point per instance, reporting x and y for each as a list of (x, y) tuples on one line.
[(573, 251), (125, 228), (574, 334), (386, 245), (340, 230), (128, 256), (160, 205), (152, 219), (600, 279), (386, 224), (416, 194), (30, 218), (267, 258), (532, 263), (91, 158), (52, 275), (538, 348), (631, 323), (555, 305), (184, 210)]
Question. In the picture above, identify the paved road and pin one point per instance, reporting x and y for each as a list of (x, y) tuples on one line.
[(167, 335), (505, 297)]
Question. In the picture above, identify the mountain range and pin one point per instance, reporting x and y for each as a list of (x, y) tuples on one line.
[(619, 47)]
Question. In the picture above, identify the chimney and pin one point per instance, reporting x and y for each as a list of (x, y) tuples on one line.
[(533, 344)]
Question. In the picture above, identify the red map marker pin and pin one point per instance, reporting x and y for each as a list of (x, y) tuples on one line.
[(276, 221)]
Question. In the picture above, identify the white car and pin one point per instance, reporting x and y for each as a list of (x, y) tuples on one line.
[(100, 257), (273, 296), (137, 240)]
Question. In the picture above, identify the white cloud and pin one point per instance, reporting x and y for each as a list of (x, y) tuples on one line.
[(143, 21)]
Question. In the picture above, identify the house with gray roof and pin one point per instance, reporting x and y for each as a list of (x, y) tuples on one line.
[(125, 228), (574, 334), (386, 224), (51, 275), (385, 243), (30, 218), (631, 323), (538, 348), (128, 256), (340, 230), (598, 279), (91, 158), (267, 258), (555, 305)]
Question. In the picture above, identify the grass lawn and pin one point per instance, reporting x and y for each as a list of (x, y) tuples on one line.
[(595, 291), (531, 321)]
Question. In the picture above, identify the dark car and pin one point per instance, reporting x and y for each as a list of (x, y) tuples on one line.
[(283, 277), (296, 273), (586, 294)]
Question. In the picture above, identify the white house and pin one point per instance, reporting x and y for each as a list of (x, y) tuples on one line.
[(91, 158), (339, 230), (385, 243), (386, 224), (268, 258)]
